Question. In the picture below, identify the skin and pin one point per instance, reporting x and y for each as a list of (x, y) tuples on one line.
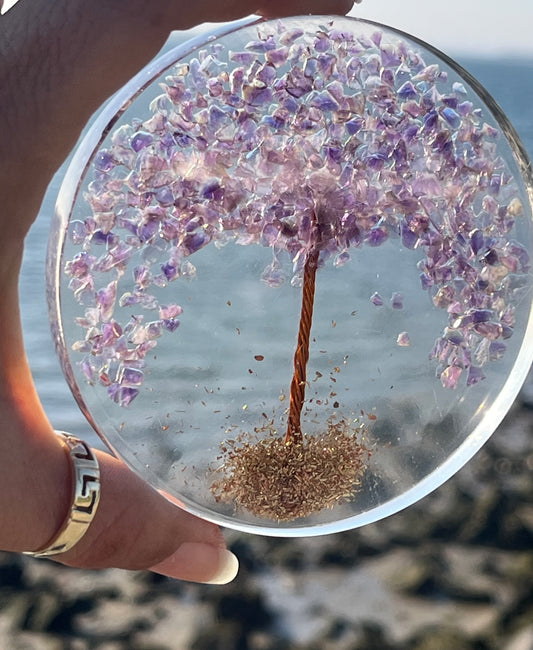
[(58, 62)]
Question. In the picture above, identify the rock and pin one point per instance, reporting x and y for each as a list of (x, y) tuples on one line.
[(525, 396), (223, 636), (11, 572), (470, 576), (419, 573), (288, 553), (43, 608), (521, 640), (341, 550), (344, 635), (265, 641), (175, 623), (113, 620), (443, 639), (247, 609), (483, 524), (372, 635), (65, 620), (516, 569), (447, 508)]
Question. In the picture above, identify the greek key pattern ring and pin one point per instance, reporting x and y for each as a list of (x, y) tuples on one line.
[(85, 498)]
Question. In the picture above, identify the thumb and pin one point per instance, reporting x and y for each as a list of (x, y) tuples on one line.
[(135, 527)]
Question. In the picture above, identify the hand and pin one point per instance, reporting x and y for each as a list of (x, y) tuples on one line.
[(58, 61)]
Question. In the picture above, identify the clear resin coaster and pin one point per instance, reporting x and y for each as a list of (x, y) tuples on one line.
[(289, 273)]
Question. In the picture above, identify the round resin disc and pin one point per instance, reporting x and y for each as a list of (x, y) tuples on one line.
[(290, 274)]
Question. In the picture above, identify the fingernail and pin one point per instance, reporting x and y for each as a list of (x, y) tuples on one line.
[(227, 569), (198, 562)]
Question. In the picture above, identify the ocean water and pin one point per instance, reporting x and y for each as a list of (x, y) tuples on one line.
[(509, 82)]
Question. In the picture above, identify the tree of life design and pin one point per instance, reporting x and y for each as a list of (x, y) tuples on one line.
[(312, 143)]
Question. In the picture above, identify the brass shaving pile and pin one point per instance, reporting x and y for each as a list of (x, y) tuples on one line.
[(283, 481)]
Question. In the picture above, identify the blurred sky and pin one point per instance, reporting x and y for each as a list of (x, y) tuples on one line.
[(459, 27), (485, 28)]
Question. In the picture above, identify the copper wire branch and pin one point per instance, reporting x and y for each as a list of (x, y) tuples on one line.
[(301, 356)]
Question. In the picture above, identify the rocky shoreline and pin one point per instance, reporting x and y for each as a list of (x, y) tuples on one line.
[(452, 572)]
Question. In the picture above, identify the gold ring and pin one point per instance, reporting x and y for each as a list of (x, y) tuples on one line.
[(85, 497)]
